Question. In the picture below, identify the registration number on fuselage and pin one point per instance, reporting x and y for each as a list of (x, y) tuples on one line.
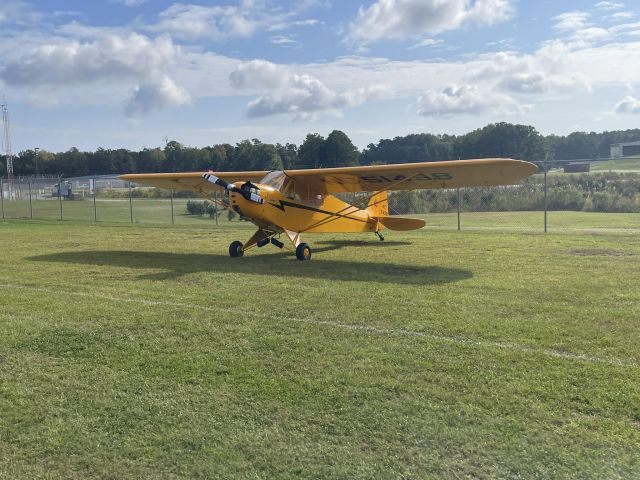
[(399, 178)]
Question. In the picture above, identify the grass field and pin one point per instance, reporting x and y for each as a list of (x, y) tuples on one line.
[(146, 352), (146, 211), (158, 212), (631, 164)]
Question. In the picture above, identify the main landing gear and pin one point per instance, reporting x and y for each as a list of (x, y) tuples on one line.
[(379, 235), (303, 252), (263, 237), (236, 249)]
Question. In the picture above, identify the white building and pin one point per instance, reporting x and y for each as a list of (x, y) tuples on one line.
[(629, 149)]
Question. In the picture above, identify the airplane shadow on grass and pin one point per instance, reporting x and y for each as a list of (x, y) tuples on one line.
[(282, 264)]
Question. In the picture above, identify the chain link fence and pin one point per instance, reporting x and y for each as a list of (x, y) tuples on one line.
[(552, 201)]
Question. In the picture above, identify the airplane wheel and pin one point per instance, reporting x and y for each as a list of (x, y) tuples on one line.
[(235, 249), (303, 252)]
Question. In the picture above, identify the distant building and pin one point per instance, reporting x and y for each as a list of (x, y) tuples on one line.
[(577, 168), (629, 149)]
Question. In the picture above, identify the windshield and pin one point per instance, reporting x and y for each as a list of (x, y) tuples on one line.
[(299, 192), (275, 179)]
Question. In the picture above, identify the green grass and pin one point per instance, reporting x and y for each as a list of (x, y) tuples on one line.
[(562, 221), (158, 212), (146, 352), (145, 211), (631, 164)]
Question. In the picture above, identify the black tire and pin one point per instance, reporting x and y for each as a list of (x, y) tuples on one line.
[(303, 252), (235, 249)]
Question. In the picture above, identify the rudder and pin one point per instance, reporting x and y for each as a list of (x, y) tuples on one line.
[(378, 205)]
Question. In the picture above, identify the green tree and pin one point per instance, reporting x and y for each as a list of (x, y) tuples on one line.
[(266, 157), (501, 140), (422, 147), (338, 151), (73, 162), (309, 151), (150, 160), (288, 155), (174, 161), (25, 163)]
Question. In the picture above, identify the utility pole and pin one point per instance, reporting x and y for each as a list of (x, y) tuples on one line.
[(36, 150)]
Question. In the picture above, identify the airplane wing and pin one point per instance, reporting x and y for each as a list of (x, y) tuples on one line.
[(373, 178), (190, 181), (410, 176)]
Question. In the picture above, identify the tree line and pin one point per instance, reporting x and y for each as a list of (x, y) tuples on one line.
[(605, 192), (503, 139)]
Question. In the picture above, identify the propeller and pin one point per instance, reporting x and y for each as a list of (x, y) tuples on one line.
[(218, 181), (245, 192)]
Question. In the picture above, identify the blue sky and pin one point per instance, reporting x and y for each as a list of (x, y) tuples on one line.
[(132, 73)]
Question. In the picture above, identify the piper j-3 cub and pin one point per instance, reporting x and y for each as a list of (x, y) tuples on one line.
[(293, 202)]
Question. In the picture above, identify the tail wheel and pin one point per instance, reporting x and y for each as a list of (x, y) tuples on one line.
[(235, 249), (303, 252)]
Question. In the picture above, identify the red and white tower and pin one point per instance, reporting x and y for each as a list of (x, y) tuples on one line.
[(7, 141)]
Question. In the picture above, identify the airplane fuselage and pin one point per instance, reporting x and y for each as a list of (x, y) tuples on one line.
[(320, 214)]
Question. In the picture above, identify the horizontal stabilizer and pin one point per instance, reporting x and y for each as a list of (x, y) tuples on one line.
[(401, 223)]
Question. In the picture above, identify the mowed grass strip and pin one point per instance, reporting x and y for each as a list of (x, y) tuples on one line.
[(133, 352)]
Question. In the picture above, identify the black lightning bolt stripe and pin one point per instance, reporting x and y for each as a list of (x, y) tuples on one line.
[(283, 203)]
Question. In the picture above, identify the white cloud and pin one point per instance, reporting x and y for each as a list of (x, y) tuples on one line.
[(299, 95), (609, 6), (110, 58), (465, 99), (490, 12), (130, 3), (581, 32), (285, 25), (402, 19), (100, 70), (19, 13), (542, 72), (621, 16), (220, 22), (155, 95), (196, 21), (629, 104), (427, 42), (285, 40), (258, 74), (571, 21)]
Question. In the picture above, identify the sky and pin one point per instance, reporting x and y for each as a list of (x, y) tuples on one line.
[(136, 73)]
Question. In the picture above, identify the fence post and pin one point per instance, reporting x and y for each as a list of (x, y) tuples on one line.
[(215, 200), (130, 204), (458, 203), (95, 209), (2, 195), (172, 219), (545, 195), (60, 195), (30, 202)]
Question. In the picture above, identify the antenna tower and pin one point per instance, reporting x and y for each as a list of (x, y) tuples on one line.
[(7, 141)]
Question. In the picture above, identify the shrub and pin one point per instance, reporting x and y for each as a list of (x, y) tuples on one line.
[(196, 208)]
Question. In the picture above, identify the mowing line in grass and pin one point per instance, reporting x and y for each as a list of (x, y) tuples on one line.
[(344, 326)]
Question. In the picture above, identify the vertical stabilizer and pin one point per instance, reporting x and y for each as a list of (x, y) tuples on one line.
[(378, 205)]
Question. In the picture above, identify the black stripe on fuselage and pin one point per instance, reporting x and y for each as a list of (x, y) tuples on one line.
[(284, 203)]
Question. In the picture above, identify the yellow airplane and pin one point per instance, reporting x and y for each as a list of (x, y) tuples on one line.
[(292, 202)]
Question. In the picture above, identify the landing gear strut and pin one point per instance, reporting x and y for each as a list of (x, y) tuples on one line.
[(379, 235)]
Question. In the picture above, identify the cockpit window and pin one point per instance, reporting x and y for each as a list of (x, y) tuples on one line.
[(297, 191), (275, 179)]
